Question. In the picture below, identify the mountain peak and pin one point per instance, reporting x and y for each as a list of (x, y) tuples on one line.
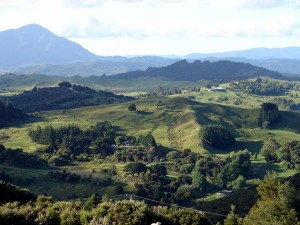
[(33, 44), (32, 27)]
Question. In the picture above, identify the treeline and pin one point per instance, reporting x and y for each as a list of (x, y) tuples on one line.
[(44, 211), (276, 204), (217, 136), (18, 158), (65, 96), (262, 87), (9, 113), (68, 177)]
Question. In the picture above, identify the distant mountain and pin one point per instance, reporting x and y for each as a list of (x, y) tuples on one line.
[(286, 66), (104, 65), (32, 44), (289, 67), (255, 53), (215, 71)]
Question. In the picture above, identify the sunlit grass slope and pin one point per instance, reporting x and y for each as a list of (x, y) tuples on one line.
[(174, 125)]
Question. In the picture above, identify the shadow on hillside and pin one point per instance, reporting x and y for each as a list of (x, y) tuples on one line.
[(24, 122), (252, 146), (289, 121), (260, 169), (201, 119), (165, 150), (144, 113)]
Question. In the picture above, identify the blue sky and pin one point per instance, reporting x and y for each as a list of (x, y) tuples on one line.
[(161, 27)]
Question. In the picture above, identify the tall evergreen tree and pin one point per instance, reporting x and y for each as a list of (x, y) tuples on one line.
[(275, 205), (198, 177)]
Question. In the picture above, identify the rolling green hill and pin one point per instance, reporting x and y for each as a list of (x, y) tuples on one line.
[(174, 125)]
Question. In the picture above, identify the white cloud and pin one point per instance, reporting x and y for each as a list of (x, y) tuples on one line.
[(138, 22), (219, 3), (91, 27)]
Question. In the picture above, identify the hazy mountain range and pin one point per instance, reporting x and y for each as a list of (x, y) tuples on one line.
[(255, 53), (104, 65), (33, 49)]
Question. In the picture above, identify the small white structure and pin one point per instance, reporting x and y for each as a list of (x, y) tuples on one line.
[(214, 88), (157, 223)]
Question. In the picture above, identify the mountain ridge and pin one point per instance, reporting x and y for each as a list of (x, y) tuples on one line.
[(223, 70)]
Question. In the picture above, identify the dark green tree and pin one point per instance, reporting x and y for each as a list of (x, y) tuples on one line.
[(199, 177), (2, 148), (270, 113), (232, 218), (217, 136), (134, 168), (275, 205), (158, 104), (132, 107), (159, 169), (92, 201), (64, 84)]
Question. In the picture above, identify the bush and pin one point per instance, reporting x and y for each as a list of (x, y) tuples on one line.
[(186, 168)]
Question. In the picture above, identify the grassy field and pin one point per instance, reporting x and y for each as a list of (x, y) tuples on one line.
[(174, 125), (234, 98)]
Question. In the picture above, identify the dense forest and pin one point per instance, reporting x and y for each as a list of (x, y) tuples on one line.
[(217, 136), (65, 96)]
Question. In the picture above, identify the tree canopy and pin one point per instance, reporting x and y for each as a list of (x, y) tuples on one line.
[(132, 107), (9, 112), (275, 205), (217, 136), (270, 113)]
